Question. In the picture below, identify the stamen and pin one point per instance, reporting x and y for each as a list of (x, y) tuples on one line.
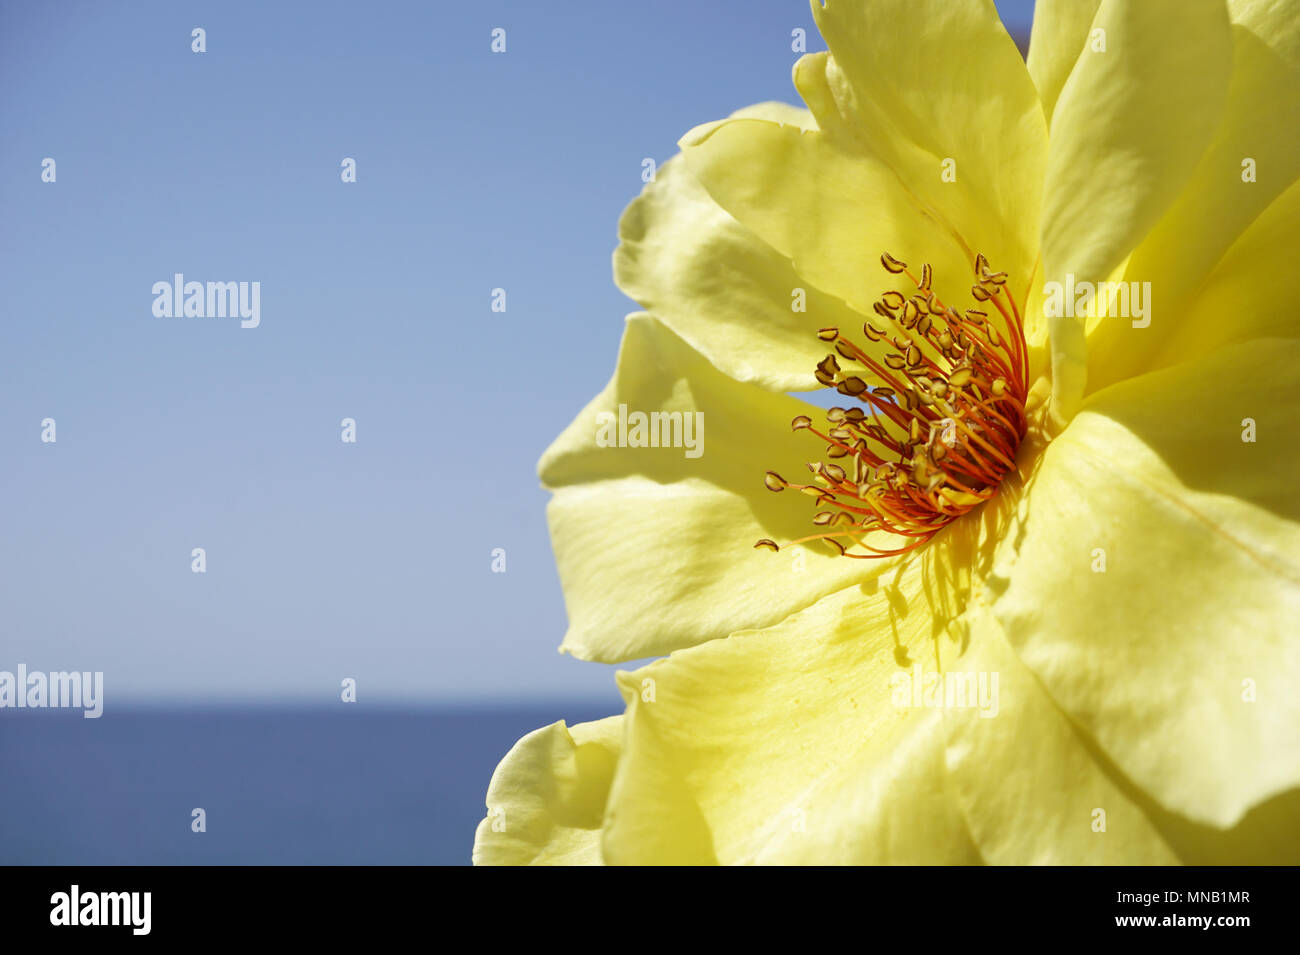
[(944, 416)]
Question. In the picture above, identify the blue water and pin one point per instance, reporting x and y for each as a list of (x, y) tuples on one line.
[(280, 786)]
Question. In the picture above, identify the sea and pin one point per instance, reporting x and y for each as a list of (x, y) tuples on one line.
[(343, 785)]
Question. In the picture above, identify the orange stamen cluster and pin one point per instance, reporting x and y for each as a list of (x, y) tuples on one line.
[(940, 419)]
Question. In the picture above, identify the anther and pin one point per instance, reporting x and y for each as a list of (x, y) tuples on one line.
[(941, 417)]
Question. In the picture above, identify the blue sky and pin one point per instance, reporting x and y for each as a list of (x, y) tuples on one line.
[(475, 171)]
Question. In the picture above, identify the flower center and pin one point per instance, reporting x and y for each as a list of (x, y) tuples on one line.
[(939, 420)]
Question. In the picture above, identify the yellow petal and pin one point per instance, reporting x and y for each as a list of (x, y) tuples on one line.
[(784, 745), (1244, 232), (921, 83), (1267, 835), (655, 547), (546, 800), (1250, 294), (777, 112), (1031, 791), (1154, 584), (1061, 28), (1127, 131), (830, 212), (718, 286)]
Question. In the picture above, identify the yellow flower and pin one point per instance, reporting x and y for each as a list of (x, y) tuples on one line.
[(1080, 642)]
